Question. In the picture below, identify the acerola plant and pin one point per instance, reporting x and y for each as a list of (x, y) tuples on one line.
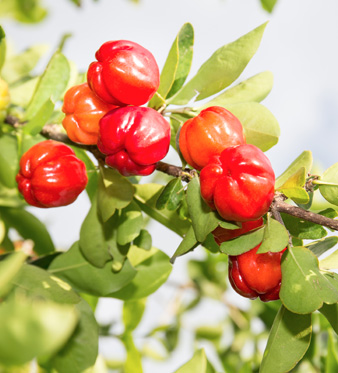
[(208, 134), (255, 275), (239, 183), (83, 110), (134, 139), (125, 73), (51, 175)]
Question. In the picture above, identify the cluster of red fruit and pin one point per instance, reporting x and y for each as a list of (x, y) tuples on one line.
[(105, 112), (236, 178), (238, 181)]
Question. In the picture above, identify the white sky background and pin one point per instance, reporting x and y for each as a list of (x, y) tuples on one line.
[(299, 46)]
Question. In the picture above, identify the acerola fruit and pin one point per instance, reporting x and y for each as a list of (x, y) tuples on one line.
[(134, 139), (255, 275), (239, 183), (51, 175), (125, 73), (208, 134), (83, 111)]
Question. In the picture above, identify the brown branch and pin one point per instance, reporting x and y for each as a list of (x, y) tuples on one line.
[(185, 173)]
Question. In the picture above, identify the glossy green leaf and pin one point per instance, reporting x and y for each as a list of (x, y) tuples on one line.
[(176, 67), (185, 49), (96, 237), (143, 240), (304, 160), (304, 288), (86, 278), (2, 48), (80, 352), (293, 187), (330, 311), (114, 192), (132, 314), (243, 243), (328, 184), (268, 5), (198, 364), (51, 85), (9, 268), (221, 69), (204, 220), (20, 65), (321, 246), (331, 261), (33, 328), (9, 162), (303, 229), (260, 126), (288, 341), (275, 237), (130, 224), (153, 269), (35, 124), (188, 244), (29, 227), (171, 196), (254, 89), (146, 196)]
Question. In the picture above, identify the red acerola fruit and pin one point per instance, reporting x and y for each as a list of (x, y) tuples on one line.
[(83, 111), (239, 183), (134, 139), (208, 134), (51, 175), (255, 275), (125, 73)]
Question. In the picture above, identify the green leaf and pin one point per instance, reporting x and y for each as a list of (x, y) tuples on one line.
[(275, 238), (114, 192), (29, 227), (146, 196), (18, 66), (171, 196), (2, 48), (328, 184), (176, 67), (33, 327), (9, 162), (133, 362), (143, 240), (221, 69), (303, 229), (260, 126), (52, 84), (84, 277), (80, 352), (29, 11), (204, 220), (96, 237), (35, 124), (22, 92), (321, 246), (254, 89), (304, 287), (304, 160), (153, 269), (130, 224), (331, 261), (132, 314), (331, 362), (9, 268), (293, 187), (268, 5), (198, 364), (241, 244), (330, 311), (188, 244), (288, 341)]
